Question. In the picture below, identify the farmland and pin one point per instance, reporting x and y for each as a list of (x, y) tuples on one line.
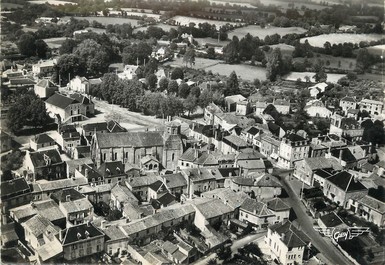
[(377, 50), (336, 38), (165, 27), (52, 2), (257, 31), (185, 21), (293, 76), (335, 62), (54, 43), (297, 4), (108, 20)]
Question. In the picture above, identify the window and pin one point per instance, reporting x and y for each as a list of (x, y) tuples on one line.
[(172, 157)]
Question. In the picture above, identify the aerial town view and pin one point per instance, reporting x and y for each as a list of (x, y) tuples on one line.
[(203, 132)]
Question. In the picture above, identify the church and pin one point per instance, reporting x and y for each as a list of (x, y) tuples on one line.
[(131, 147)]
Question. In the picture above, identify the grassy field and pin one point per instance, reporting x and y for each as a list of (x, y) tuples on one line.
[(165, 27), (108, 20), (297, 4), (336, 38), (286, 50), (51, 2), (203, 41), (54, 43), (245, 72), (293, 76), (377, 50), (200, 63), (185, 21), (346, 63), (257, 31)]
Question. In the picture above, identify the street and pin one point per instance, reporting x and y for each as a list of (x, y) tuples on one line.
[(327, 249), (237, 244)]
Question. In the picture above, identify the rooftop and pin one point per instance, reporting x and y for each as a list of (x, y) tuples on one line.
[(346, 182), (331, 220), (81, 232), (129, 139), (61, 101), (45, 158), (292, 236), (256, 207)]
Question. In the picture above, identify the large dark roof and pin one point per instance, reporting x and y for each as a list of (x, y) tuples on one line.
[(112, 168), (99, 126), (293, 137), (331, 219), (346, 154), (129, 139), (207, 130), (61, 195), (41, 158), (80, 98), (292, 237), (13, 186), (345, 181), (60, 101), (72, 233), (253, 130), (43, 138)]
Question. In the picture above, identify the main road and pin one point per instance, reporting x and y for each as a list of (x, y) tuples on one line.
[(327, 249)]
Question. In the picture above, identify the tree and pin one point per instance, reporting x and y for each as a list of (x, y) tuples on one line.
[(231, 52), (108, 86), (177, 73), (68, 46), (274, 64), (28, 110), (152, 80), (172, 87), (364, 60), (189, 57), (132, 91), (94, 56), (195, 91), (374, 134), (205, 98), (320, 74), (27, 44), (136, 53), (232, 85), (211, 53), (224, 253), (190, 104), (70, 65), (41, 48), (12, 161), (184, 90), (163, 83)]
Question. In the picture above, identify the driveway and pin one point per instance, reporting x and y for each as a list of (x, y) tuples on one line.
[(332, 254)]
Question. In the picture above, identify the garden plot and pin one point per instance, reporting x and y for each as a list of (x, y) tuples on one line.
[(293, 76), (336, 38)]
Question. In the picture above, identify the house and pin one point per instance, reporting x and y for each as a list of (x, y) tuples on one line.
[(323, 144), (371, 106), (47, 208), (252, 135), (270, 146), (248, 166), (82, 151), (232, 101), (342, 186), (74, 205), (233, 144), (82, 240), (41, 141), (175, 183), (79, 84), (293, 147), (5, 141), (45, 88), (243, 108), (199, 180), (262, 186), (120, 196), (317, 89), (346, 127), (86, 101), (70, 138), (280, 209), (368, 208), (113, 171), (331, 220), (316, 108), (72, 165), (139, 185), (227, 196), (210, 112), (347, 103), (256, 214), (14, 193), (87, 171), (287, 244), (129, 72), (194, 158), (42, 236), (179, 252), (266, 118), (304, 169), (65, 109), (45, 164), (9, 237), (351, 156), (89, 129), (282, 106), (44, 68)]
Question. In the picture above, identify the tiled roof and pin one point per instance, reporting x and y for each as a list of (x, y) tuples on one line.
[(129, 139), (38, 225), (73, 232), (234, 98), (175, 180), (97, 126), (13, 186), (256, 207), (156, 185), (60, 101), (374, 204), (45, 83), (41, 158), (253, 130), (166, 199), (227, 196), (198, 174), (114, 232), (350, 99), (254, 155), (111, 168), (331, 220), (324, 173), (349, 123), (114, 127), (211, 208), (48, 208), (142, 181), (277, 204), (293, 237), (346, 182), (83, 149), (123, 194), (70, 193), (43, 138), (322, 162), (293, 137), (235, 141), (80, 98), (77, 206), (251, 164), (268, 180), (58, 184), (346, 155)]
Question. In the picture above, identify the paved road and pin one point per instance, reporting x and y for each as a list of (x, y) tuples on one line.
[(237, 244), (334, 256)]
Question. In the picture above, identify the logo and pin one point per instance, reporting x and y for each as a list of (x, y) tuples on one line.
[(343, 234)]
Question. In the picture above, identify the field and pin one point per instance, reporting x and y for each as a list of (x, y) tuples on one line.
[(54, 43), (107, 20), (377, 50), (336, 38), (297, 4), (51, 2), (203, 41), (165, 27), (293, 76), (346, 63), (10, 6), (231, 3), (185, 21), (286, 50), (200, 63), (257, 31)]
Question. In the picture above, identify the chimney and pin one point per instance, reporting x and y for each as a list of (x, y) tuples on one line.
[(86, 173), (282, 236), (87, 234), (68, 198), (230, 174), (61, 235), (196, 153), (340, 157)]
